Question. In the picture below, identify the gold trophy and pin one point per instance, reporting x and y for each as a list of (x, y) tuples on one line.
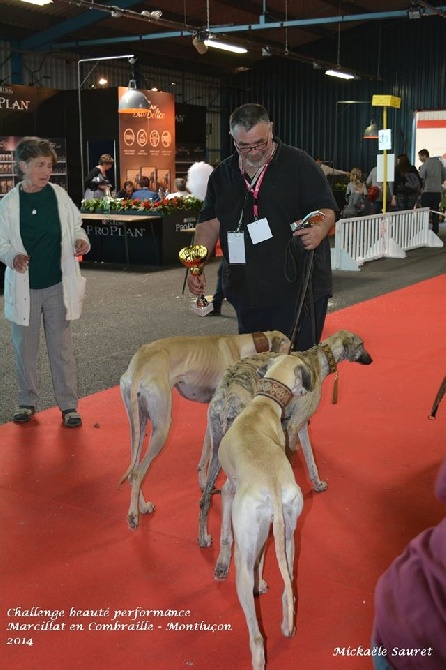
[(192, 257)]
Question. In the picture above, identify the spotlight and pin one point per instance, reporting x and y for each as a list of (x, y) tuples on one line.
[(116, 14), (156, 14), (200, 46), (266, 52)]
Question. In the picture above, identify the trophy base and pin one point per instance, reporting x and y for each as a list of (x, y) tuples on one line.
[(202, 307)]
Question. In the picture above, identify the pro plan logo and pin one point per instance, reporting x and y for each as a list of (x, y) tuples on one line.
[(129, 137), (166, 138), (141, 137)]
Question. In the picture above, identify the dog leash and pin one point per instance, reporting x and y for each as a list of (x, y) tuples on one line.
[(438, 399), (307, 277), (332, 368)]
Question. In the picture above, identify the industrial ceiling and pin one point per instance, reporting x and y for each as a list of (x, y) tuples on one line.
[(162, 33)]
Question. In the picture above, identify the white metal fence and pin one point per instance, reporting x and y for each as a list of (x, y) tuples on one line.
[(389, 235)]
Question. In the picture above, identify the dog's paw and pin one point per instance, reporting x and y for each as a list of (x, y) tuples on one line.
[(261, 588), (146, 508), (320, 486), (204, 540), (221, 571), (133, 521), (286, 632)]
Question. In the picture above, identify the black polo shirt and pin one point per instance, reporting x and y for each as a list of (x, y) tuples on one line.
[(293, 185)]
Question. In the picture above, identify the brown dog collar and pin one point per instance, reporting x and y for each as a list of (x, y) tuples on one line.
[(260, 342), (330, 358), (272, 388)]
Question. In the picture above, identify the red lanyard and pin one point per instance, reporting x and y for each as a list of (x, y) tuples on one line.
[(256, 182)]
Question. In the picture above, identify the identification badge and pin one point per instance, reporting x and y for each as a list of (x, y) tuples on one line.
[(259, 231), (236, 248)]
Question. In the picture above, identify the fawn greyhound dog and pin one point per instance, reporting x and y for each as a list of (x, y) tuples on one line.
[(239, 385), (194, 366), (261, 489)]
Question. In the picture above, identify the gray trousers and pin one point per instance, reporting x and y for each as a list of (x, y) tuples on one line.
[(46, 304)]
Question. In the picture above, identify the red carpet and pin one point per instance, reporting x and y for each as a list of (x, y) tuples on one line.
[(66, 546)]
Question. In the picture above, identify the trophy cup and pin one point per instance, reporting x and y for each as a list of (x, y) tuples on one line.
[(192, 257)]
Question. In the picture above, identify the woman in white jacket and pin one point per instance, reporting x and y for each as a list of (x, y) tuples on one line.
[(41, 236)]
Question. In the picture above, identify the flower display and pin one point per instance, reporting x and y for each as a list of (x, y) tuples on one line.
[(122, 205)]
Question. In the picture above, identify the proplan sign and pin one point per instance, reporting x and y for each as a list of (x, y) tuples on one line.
[(17, 98)]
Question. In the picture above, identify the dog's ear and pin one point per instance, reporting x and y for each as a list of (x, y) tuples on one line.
[(263, 369), (280, 344), (303, 376)]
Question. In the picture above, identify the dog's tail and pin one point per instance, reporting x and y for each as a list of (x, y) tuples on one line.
[(280, 548)]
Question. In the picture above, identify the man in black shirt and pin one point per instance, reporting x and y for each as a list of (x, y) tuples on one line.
[(252, 199)]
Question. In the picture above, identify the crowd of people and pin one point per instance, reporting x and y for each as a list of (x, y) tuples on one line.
[(407, 188)]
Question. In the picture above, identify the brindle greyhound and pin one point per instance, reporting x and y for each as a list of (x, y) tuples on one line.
[(239, 385), (194, 366)]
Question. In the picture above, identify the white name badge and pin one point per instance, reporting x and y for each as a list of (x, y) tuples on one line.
[(259, 231), (236, 248)]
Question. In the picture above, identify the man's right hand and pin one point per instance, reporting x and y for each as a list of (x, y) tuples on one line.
[(196, 283)]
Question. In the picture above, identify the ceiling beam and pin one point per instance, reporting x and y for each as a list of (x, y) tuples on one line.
[(227, 29)]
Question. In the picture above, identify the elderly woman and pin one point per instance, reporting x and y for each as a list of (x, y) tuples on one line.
[(40, 239)]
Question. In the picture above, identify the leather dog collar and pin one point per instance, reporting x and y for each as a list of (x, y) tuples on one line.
[(330, 358), (272, 388), (260, 342)]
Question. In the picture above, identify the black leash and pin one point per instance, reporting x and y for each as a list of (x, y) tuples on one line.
[(308, 272)]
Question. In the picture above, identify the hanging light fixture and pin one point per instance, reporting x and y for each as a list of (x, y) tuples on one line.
[(203, 39), (371, 132), (340, 74), (41, 3), (133, 100)]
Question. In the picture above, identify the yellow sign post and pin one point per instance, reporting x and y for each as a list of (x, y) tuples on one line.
[(385, 101)]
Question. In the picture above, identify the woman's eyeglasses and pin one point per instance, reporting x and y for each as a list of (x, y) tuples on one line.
[(246, 148)]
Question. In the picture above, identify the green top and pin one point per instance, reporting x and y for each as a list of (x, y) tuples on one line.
[(41, 236)]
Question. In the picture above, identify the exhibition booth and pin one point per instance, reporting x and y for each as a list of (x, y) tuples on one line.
[(160, 141)]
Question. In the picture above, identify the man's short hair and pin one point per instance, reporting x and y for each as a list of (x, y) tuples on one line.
[(248, 116), (144, 182), (423, 152)]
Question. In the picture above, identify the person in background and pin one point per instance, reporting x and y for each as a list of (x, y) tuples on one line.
[(355, 195), (433, 174), (181, 190), (372, 181), (252, 199), (410, 601), (144, 192), (327, 170), (97, 184), (197, 179), (41, 236), (407, 185), (127, 191)]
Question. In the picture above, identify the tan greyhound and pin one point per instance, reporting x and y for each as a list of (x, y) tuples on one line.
[(194, 366), (261, 490)]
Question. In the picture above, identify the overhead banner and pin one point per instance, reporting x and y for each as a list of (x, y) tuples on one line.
[(147, 142)]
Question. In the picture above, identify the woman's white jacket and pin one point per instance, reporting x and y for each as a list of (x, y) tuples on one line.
[(16, 291)]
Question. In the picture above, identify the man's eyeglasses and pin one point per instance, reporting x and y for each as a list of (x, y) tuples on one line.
[(246, 148)]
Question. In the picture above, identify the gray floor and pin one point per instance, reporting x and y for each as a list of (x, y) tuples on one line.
[(124, 310)]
